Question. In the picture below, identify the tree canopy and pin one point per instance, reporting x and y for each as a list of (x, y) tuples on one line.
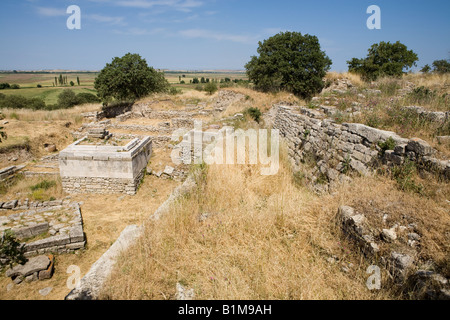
[(289, 61), (129, 78), (384, 59)]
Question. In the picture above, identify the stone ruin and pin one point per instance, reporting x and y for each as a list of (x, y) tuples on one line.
[(104, 169)]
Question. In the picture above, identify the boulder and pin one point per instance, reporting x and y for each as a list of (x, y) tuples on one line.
[(33, 265)]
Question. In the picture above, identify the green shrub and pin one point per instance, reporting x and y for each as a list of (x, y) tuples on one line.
[(20, 102), (404, 176), (39, 86), (389, 144), (4, 85), (67, 99), (421, 95), (174, 91), (11, 249), (254, 113), (43, 185), (15, 86), (86, 97)]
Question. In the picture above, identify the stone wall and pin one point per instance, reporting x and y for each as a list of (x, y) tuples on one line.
[(61, 220), (340, 148), (104, 169)]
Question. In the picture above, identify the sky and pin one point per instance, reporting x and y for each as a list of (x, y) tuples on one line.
[(209, 34)]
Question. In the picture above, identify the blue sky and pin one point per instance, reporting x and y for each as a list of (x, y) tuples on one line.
[(209, 34)]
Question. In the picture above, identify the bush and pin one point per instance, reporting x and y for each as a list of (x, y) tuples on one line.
[(15, 86), (199, 87), (85, 97), (254, 113), (67, 99), (383, 59), (39, 86), (289, 61), (4, 85), (44, 185), (404, 175), (421, 95), (20, 102), (174, 91), (11, 249)]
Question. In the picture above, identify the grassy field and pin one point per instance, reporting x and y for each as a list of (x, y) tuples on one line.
[(29, 81)]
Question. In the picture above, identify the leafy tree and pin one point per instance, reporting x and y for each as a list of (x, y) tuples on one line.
[(211, 87), (78, 80), (39, 86), (441, 66), (289, 61), (195, 81), (384, 59), (15, 86), (5, 85), (426, 68), (72, 83), (129, 78), (61, 80), (67, 99), (203, 80)]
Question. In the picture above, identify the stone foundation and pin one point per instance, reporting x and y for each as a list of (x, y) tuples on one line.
[(104, 169)]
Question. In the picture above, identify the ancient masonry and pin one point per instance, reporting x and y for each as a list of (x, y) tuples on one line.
[(104, 169), (59, 220), (340, 148)]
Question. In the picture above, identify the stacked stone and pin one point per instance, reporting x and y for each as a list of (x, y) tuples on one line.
[(66, 236), (400, 258), (337, 147), (75, 185), (98, 133)]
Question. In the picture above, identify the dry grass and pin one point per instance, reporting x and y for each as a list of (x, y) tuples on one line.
[(21, 188), (353, 77), (265, 238), (72, 114)]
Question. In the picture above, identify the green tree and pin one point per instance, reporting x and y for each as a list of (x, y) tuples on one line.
[(61, 80), (129, 78), (384, 59), (211, 87), (203, 80), (426, 68), (289, 61), (195, 81), (72, 83), (67, 99), (78, 80), (441, 66)]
